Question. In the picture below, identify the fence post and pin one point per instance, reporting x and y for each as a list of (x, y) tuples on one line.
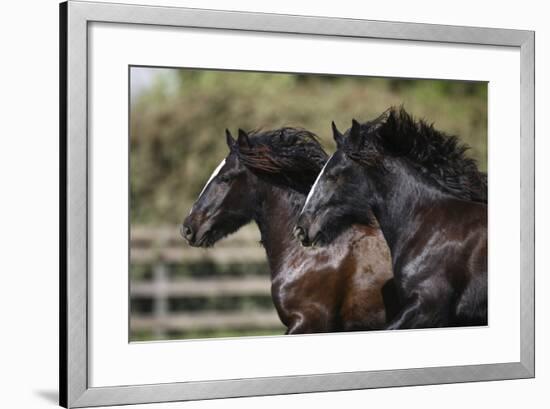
[(160, 303)]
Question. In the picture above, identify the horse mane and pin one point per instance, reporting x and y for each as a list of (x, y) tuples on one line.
[(291, 156), (438, 156)]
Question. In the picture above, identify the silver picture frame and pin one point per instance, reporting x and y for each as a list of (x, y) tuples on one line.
[(75, 16)]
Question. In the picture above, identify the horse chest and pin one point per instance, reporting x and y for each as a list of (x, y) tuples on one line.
[(305, 275)]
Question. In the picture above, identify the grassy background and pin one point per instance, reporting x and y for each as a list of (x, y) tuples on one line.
[(177, 124)]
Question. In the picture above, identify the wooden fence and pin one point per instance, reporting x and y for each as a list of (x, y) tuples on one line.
[(158, 249)]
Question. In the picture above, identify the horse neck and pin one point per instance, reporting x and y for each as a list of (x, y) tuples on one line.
[(401, 196), (278, 212)]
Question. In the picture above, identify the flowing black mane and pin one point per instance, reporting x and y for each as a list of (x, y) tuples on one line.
[(291, 156), (438, 156)]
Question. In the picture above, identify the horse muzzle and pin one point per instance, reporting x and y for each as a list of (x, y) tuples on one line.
[(188, 233)]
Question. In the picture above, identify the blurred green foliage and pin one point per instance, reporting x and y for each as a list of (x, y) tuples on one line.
[(177, 124)]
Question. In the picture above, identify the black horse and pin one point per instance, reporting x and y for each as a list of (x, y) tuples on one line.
[(430, 202), (265, 178)]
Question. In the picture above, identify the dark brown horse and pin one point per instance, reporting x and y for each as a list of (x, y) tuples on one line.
[(265, 178), (430, 202)]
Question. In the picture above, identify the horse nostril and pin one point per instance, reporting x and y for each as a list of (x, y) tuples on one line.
[(300, 234), (186, 232)]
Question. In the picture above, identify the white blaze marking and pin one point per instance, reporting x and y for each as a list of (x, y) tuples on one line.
[(315, 184), (212, 176)]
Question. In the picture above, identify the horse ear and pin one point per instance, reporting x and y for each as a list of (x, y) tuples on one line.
[(229, 139), (355, 132), (338, 137), (243, 140)]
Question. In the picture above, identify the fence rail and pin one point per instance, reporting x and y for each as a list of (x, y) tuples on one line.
[(157, 248), (203, 287), (177, 255), (208, 320), (165, 245)]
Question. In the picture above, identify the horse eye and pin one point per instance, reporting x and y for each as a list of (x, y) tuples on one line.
[(224, 179)]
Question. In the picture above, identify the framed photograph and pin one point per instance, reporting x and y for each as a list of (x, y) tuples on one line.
[(259, 204)]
